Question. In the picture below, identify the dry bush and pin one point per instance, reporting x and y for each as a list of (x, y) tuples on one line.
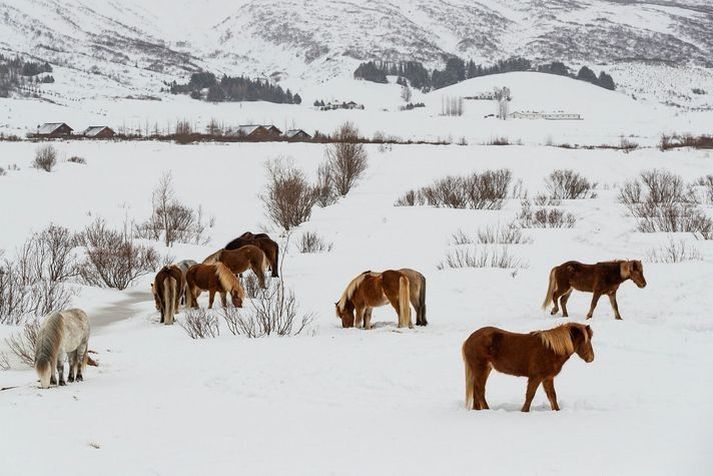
[(45, 158), (502, 140), (2, 172), (324, 192), (505, 235), (4, 361), (346, 159), (544, 217), (77, 160), (251, 285), (289, 198), (184, 132), (627, 145), (23, 344), (171, 221), (706, 183), (113, 258), (460, 237), (544, 200), (487, 191), (200, 323), (663, 202), (674, 252), (565, 184), (310, 242), (273, 312), (481, 257), (674, 141)]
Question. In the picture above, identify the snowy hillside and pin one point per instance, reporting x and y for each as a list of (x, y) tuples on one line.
[(383, 401)]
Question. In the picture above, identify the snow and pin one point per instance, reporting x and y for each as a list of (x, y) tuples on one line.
[(348, 401)]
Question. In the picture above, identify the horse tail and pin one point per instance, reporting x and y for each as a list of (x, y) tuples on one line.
[(550, 289), (212, 259), (421, 317), (469, 381), (47, 348), (275, 265), (404, 302), (169, 299)]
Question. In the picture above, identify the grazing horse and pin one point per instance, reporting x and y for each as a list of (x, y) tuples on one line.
[(417, 292), (183, 266), (262, 241), (371, 289), (213, 278), (539, 356), (167, 289), (242, 259), (64, 333), (600, 278)]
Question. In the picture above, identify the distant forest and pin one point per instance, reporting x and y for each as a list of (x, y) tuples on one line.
[(15, 72), (207, 87), (457, 70)]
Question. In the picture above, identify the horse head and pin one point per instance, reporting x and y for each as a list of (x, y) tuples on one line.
[(346, 315), (237, 300), (582, 341), (634, 270)]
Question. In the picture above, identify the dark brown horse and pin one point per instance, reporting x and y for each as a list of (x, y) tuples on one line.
[(598, 279), (539, 356), (213, 278), (262, 241), (371, 289), (167, 289), (240, 260)]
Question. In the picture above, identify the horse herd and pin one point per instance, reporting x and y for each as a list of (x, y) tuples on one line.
[(539, 355)]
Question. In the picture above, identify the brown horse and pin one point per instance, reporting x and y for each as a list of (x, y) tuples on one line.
[(167, 289), (600, 278), (213, 278), (539, 356), (242, 259), (262, 241), (417, 293), (371, 289)]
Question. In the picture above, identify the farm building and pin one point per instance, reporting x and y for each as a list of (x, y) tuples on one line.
[(54, 129), (257, 131), (297, 134), (99, 132)]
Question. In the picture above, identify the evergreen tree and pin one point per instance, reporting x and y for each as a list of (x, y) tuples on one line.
[(586, 74), (606, 81)]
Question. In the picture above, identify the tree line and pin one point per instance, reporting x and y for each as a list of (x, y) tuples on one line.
[(205, 86), (16, 71), (457, 70)]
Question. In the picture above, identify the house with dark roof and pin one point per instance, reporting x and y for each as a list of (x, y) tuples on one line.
[(99, 132), (54, 129), (297, 134), (258, 131)]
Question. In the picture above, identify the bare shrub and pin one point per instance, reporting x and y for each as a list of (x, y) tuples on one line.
[(500, 140), (251, 285), (200, 324), (113, 258), (2, 172), (544, 217), (506, 235), (171, 221), (487, 190), (409, 199), (184, 132), (481, 257), (674, 141), (674, 252), (289, 198), (45, 158), (451, 106), (565, 184), (4, 361), (311, 242), (346, 159), (77, 160), (460, 237), (544, 200), (706, 183), (325, 194), (23, 343), (627, 145)]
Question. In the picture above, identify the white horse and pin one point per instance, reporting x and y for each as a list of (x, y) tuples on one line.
[(64, 333)]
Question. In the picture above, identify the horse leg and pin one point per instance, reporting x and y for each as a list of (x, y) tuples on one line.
[(481, 378), (224, 299), (72, 365), (556, 294), (367, 318), (532, 384), (563, 302), (81, 360), (211, 298), (260, 276), (60, 369), (549, 386), (615, 306), (359, 317), (595, 299)]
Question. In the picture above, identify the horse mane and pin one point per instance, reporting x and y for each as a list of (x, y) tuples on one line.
[(559, 339), (49, 341), (227, 279), (350, 289), (214, 257)]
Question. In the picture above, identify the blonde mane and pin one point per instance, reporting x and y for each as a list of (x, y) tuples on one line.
[(228, 280), (559, 339), (351, 288)]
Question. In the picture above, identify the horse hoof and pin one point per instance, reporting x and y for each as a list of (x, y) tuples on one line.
[(80, 378), (70, 379), (62, 383)]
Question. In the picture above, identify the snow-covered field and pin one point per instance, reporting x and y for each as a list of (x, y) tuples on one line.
[(383, 401)]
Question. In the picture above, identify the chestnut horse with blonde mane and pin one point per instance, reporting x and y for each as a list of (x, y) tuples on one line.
[(213, 278), (539, 356), (242, 259), (417, 292), (371, 289), (167, 289)]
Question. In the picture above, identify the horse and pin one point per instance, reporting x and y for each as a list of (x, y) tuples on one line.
[(417, 293), (539, 356), (213, 278), (242, 259), (371, 289), (167, 290), (600, 278), (262, 241), (64, 333), (183, 266)]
